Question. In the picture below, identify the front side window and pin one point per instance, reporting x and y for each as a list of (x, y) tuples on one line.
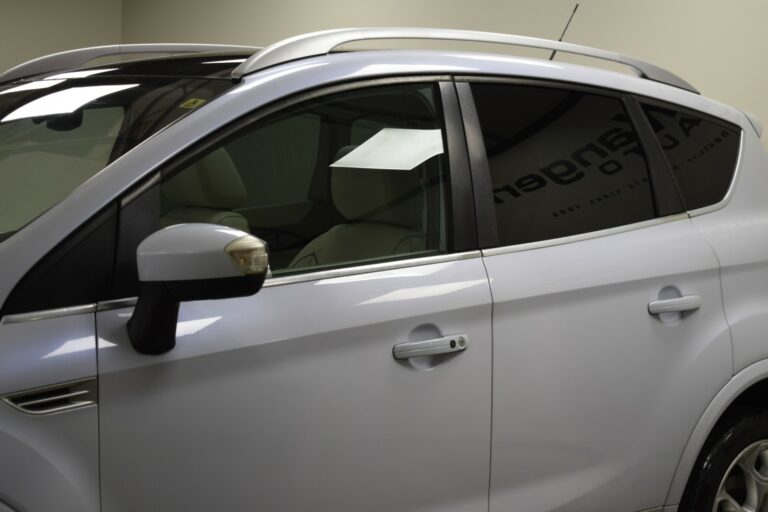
[(350, 178), (701, 151), (562, 162), (57, 132)]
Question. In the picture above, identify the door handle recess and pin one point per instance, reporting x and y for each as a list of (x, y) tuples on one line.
[(676, 305), (445, 345)]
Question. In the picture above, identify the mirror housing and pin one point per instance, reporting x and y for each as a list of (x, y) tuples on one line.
[(190, 262)]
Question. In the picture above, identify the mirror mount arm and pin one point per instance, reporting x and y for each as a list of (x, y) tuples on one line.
[(152, 328)]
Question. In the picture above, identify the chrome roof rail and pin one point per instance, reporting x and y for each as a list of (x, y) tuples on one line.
[(321, 43), (74, 59)]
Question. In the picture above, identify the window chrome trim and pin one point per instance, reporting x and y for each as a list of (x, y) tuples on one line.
[(129, 302), (47, 314), (328, 274), (106, 305), (373, 267), (584, 236), (729, 194), (139, 190)]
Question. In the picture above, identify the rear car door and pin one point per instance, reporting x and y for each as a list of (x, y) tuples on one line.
[(609, 333), (292, 399)]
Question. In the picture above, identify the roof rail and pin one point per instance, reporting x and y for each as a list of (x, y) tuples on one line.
[(73, 59), (321, 43)]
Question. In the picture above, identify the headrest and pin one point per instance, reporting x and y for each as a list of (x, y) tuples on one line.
[(211, 182), (377, 195)]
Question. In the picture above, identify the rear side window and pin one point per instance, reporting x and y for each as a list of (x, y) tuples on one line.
[(701, 152), (562, 162)]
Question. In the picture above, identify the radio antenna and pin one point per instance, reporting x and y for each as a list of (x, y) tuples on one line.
[(551, 57)]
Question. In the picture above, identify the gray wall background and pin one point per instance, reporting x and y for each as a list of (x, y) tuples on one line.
[(717, 46), (31, 28)]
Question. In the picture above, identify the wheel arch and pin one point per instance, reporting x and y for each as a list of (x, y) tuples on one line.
[(743, 389)]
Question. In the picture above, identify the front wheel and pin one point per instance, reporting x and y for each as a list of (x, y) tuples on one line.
[(731, 473)]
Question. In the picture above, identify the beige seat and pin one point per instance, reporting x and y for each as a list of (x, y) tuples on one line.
[(207, 191), (383, 211)]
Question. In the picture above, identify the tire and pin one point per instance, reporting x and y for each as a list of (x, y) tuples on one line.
[(731, 473)]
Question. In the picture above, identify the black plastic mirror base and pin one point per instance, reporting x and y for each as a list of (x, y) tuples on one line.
[(219, 288), (152, 327)]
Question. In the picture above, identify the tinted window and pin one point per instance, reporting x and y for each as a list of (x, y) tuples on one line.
[(562, 162), (57, 132), (77, 271), (346, 179), (701, 152), (42, 162)]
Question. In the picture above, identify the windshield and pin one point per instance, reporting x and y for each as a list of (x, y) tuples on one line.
[(57, 132)]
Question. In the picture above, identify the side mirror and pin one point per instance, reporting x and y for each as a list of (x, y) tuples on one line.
[(190, 262)]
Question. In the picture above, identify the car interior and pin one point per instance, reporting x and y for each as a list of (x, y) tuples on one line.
[(280, 181)]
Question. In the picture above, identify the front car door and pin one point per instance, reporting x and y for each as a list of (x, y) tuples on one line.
[(292, 399), (58, 223), (594, 392)]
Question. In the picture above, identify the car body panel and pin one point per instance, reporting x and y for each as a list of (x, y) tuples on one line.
[(593, 396), (292, 400), (60, 449), (725, 397), (737, 234), (736, 230)]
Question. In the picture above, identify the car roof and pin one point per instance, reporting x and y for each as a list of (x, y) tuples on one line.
[(239, 62), (323, 43), (77, 60), (199, 65), (206, 64)]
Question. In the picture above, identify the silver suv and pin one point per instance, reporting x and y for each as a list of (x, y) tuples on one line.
[(492, 283)]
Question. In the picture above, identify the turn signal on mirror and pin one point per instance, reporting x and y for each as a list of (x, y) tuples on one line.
[(249, 254)]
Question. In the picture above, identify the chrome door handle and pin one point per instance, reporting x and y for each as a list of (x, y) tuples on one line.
[(676, 305), (445, 345)]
